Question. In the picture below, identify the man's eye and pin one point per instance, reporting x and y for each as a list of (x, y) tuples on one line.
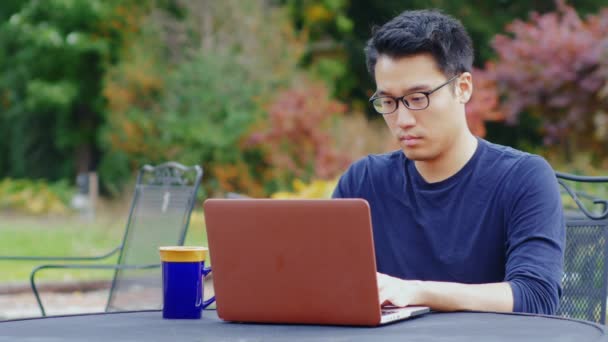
[(416, 98)]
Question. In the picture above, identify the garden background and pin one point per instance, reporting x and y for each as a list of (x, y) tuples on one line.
[(269, 97)]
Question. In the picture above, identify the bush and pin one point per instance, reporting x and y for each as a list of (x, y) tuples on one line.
[(553, 67), (35, 196), (55, 54), (317, 188), (208, 104), (296, 138), (195, 101), (484, 105)]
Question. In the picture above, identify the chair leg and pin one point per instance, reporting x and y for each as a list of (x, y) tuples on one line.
[(35, 289)]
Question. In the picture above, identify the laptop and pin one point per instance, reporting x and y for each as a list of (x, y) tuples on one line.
[(296, 261)]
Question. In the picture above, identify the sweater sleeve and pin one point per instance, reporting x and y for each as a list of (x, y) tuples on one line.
[(535, 237)]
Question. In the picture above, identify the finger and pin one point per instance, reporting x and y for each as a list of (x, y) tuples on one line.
[(382, 296), (395, 294), (399, 301), (390, 296), (393, 297)]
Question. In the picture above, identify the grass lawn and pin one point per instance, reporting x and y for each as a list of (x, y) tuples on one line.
[(69, 236)]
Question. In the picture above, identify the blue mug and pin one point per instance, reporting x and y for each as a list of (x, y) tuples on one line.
[(183, 269)]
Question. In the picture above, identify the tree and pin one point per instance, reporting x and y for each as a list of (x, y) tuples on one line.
[(191, 88), (55, 54), (348, 74), (297, 140), (553, 66)]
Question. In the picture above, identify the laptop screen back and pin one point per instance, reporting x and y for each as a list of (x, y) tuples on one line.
[(293, 261)]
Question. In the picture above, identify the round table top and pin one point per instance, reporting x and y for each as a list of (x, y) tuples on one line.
[(150, 326)]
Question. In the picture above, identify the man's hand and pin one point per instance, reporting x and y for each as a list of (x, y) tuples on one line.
[(398, 292), (444, 296)]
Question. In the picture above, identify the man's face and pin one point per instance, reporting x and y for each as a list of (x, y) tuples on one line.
[(427, 134)]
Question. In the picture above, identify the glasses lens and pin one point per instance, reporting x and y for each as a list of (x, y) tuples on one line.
[(417, 101), (384, 105)]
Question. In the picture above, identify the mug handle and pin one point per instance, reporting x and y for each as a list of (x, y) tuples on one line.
[(209, 301)]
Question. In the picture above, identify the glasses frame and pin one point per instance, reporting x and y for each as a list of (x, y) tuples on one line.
[(402, 98)]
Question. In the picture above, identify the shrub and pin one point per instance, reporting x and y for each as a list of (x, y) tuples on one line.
[(484, 104), (207, 105), (35, 196), (317, 188), (296, 138), (55, 54), (552, 66), (197, 100)]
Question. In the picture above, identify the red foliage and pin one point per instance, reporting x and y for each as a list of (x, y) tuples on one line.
[(483, 105), (551, 66), (296, 136)]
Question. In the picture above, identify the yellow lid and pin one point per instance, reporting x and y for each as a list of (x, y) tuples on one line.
[(182, 253)]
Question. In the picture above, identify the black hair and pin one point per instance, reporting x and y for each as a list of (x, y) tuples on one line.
[(423, 31)]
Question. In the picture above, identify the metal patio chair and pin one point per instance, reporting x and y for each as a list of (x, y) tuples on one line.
[(159, 215), (585, 280)]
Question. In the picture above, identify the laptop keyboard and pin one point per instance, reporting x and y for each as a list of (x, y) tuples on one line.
[(388, 309), (388, 312)]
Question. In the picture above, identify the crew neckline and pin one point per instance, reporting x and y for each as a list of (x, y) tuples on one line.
[(420, 181)]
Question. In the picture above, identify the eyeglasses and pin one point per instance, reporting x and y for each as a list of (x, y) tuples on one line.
[(413, 101)]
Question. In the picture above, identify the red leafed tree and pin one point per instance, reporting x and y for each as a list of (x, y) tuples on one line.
[(296, 136), (553, 66), (483, 105)]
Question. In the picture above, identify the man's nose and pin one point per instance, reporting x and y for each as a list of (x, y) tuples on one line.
[(405, 116)]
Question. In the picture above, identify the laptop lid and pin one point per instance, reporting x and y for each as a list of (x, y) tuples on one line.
[(293, 261)]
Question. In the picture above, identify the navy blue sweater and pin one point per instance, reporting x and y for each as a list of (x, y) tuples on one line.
[(497, 219)]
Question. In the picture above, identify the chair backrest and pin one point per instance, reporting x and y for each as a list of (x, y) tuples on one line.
[(160, 214), (585, 280)]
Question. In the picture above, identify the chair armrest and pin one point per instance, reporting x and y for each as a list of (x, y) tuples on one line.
[(576, 195), (55, 258), (77, 266)]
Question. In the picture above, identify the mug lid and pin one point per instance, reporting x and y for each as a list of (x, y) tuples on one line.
[(183, 253)]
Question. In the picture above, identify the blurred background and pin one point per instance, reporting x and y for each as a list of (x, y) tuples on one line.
[(268, 96)]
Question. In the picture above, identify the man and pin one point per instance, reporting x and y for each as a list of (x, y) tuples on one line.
[(459, 223)]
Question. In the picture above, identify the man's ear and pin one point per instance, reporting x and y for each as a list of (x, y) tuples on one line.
[(464, 87)]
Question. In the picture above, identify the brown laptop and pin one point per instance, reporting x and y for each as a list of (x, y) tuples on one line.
[(295, 261)]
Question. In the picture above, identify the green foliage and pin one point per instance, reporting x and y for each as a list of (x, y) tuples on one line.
[(35, 196), (114, 84), (208, 105), (329, 28), (115, 171), (206, 122), (203, 124), (321, 18), (54, 57), (196, 100)]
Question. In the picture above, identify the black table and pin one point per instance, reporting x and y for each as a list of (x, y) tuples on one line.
[(149, 326)]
